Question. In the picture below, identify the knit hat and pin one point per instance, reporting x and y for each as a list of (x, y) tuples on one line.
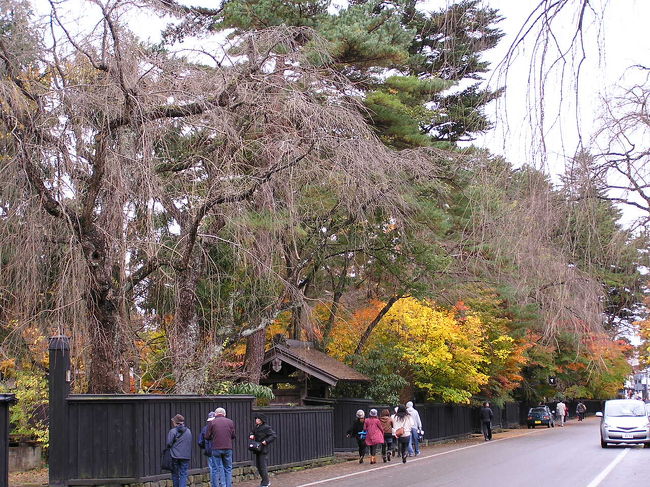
[(178, 419), (373, 412), (211, 416), (360, 413)]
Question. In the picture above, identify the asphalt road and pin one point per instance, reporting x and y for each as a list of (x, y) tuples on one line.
[(557, 457)]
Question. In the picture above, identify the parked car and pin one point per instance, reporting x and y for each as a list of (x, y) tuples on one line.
[(540, 416), (624, 421)]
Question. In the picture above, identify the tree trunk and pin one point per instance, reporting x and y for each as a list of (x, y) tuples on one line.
[(334, 308), (366, 335), (103, 303), (255, 355), (188, 365)]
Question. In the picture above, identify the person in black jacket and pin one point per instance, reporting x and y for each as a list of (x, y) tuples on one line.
[(486, 421), (263, 433), (180, 439), (356, 432)]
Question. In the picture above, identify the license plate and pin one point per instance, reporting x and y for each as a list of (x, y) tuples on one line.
[(627, 436), (538, 422)]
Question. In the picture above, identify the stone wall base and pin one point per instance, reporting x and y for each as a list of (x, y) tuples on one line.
[(239, 474), (24, 457)]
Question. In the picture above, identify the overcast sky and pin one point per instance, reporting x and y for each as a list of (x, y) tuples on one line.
[(616, 37)]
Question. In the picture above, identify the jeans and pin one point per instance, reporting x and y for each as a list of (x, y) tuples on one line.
[(414, 444), (179, 472), (261, 462), (403, 442), (222, 473), (387, 445)]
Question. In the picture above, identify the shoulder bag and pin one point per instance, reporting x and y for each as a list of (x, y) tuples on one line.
[(255, 446), (166, 456)]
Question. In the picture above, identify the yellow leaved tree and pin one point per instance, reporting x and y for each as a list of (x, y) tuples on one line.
[(443, 350)]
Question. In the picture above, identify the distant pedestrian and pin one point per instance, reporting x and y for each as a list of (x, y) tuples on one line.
[(179, 438), (263, 433), (560, 410), (403, 425), (387, 427), (486, 421), (374, 434), (581, 409), (206, 446), (220, 433), (356, 431), (414, 445)]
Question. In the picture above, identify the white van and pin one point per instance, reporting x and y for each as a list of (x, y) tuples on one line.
[(624, 421)]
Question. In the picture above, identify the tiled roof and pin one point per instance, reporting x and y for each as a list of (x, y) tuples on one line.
[(313, 362)]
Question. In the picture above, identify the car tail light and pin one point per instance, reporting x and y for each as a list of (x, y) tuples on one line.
[(546, 417)]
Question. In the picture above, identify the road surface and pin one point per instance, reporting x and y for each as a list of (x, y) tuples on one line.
[(557, 457)]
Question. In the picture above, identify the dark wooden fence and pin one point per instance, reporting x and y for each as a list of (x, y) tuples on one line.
[(118, 439), (299, 433), (6, 400), (113, 439)]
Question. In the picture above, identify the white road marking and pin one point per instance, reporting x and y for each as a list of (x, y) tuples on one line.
[(413, 459), (601, 476)]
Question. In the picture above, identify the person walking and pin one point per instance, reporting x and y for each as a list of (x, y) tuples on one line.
[(263, 433), (560, 410), (414, 445), (581, 409), (220, 433), (356, 431), (374, 434), (206, 446), (387, 427), (403, 426), (179, 439), (486, 416)]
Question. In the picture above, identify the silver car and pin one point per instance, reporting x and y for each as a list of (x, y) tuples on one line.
[(624, 421)]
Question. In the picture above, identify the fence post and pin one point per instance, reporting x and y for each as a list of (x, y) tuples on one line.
[(6, 400), (59, 383)]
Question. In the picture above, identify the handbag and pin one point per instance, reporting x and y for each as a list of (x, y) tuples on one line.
[(166, 456), (399, 432), (362, 434), (255, 446)]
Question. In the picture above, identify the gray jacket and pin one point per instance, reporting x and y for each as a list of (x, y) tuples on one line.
[(182, 449)]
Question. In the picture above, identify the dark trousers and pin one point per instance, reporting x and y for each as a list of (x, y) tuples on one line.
[(262, 464), (387, 445), (486, 428), (362, 447), (403, 442)]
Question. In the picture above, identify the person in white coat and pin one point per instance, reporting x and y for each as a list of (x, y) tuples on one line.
[(414, 445), (560, 412), (402, 426)]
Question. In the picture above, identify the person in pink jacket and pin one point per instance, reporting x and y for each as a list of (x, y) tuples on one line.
[(374, 434)]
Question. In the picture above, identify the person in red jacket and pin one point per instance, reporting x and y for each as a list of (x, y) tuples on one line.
[(374, 434)]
